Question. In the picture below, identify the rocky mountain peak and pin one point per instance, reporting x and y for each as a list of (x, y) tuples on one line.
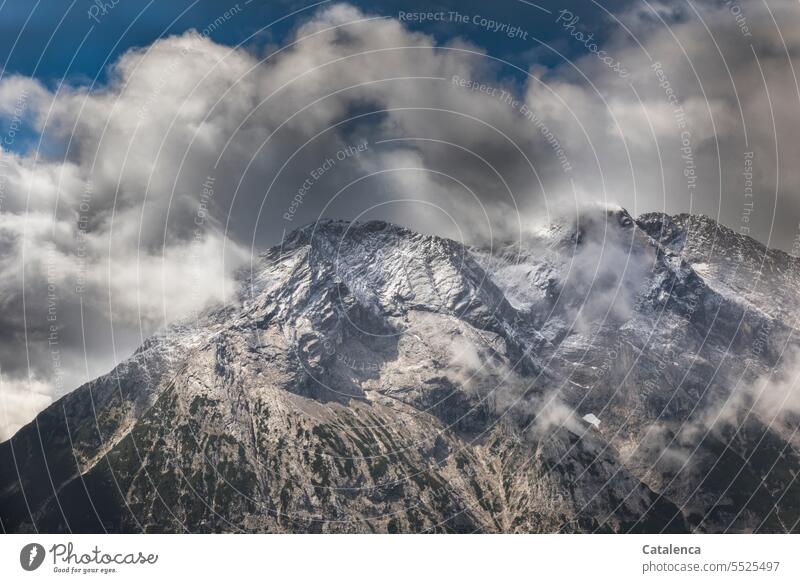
[(377, 379)]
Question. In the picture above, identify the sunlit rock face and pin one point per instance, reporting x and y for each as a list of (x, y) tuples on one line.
[(373, 379)]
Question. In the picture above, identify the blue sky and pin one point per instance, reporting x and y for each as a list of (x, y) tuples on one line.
[(75, 41), (51, 39)]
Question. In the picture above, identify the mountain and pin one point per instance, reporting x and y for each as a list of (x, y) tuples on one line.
[(603, 374)]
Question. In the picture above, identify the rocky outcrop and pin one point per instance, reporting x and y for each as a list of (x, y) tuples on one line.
[(373, 379)]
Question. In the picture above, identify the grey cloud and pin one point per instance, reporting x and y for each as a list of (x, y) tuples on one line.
[(631, 137)]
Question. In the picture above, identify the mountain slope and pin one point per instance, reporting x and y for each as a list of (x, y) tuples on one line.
[(375, 379)]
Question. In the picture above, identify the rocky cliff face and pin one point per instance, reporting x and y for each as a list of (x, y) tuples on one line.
[(372, 379)]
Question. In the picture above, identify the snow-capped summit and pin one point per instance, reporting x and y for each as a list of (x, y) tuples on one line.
[(376, 379)]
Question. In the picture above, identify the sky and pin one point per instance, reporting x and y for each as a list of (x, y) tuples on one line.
[(148, 150)]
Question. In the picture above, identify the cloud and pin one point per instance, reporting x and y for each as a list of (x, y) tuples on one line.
[(19, 407), (149, 191), (674, 135), (772, 397), (523, 405)]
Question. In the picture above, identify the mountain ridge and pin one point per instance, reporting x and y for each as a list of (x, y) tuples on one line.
[(443, 384)]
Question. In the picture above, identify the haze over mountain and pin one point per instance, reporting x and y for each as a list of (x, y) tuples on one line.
[(373, 379)]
